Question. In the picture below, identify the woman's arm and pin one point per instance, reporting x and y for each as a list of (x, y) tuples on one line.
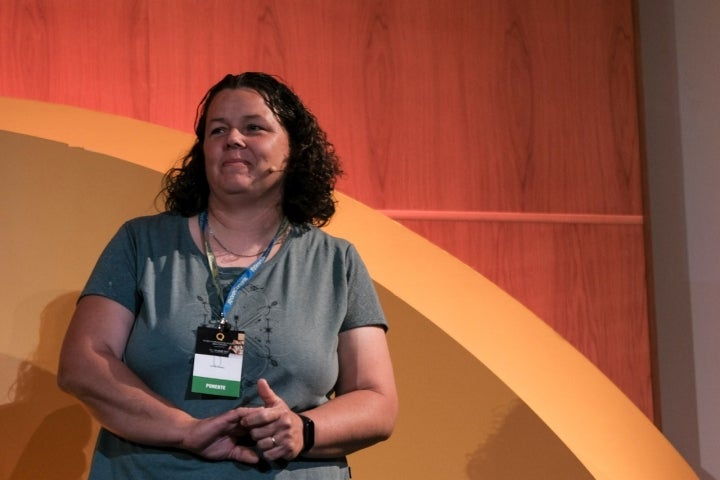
[(362, 413), (91, 369)]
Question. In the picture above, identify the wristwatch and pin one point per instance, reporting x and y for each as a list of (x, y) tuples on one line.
[(308, 433)]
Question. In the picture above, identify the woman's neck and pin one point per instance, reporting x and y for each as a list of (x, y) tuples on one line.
[(241, 232), (235, 214)]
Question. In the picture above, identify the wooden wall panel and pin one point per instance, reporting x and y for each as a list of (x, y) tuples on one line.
[(511, 106), (492, 105)]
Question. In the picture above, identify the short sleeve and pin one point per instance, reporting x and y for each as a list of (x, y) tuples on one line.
[(115, 275), (364, 307)]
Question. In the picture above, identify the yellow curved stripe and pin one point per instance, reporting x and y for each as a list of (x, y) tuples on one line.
[(603, 429)]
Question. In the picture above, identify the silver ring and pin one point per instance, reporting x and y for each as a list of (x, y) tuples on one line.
[(273, 440)]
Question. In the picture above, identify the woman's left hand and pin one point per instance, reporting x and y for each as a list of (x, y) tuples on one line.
[(277, 430), (362, 412)]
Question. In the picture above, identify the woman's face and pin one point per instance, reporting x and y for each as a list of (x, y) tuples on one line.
[(245, 146)]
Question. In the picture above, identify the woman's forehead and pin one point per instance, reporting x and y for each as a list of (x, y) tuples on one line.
[(238, 102)]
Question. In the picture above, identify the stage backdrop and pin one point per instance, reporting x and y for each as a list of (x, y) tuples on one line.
[(503, 131)]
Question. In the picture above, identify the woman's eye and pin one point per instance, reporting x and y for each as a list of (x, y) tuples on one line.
[(217, 131)]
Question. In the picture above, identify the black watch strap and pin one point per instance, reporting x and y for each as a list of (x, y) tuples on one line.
[(308, 433)]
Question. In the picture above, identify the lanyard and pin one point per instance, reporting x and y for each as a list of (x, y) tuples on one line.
[(243, 279)]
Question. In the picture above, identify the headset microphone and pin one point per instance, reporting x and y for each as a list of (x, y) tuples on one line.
[(274, 169)]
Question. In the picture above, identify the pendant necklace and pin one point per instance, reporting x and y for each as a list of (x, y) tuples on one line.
[(281, 233)]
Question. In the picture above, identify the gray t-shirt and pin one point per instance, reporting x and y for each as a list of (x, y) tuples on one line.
[(292, 310)]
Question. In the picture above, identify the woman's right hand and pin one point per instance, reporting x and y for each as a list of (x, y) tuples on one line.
[(219, 438)]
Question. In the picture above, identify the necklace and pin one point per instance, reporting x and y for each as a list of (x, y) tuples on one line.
[(280, 239)]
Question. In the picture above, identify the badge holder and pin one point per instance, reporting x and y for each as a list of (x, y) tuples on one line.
[(217, 369)]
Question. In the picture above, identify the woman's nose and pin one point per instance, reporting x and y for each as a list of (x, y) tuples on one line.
[(235, 139)]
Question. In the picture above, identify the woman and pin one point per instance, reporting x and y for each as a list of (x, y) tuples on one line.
[(236, 261)]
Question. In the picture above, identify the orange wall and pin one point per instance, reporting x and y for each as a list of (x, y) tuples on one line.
[(518, 115)]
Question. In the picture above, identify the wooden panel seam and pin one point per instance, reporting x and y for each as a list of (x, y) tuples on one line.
[(474, 216)]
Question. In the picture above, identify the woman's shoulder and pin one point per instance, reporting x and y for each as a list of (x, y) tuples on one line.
[(319, 237), (319, 241), (162, 227), (156, 221)]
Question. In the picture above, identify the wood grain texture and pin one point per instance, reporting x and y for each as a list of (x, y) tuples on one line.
[(518, 106), (495, 105)]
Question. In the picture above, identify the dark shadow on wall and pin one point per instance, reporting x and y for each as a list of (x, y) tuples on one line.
[(44, 431), (513, 451)]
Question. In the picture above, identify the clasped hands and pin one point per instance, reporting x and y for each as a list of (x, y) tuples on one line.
[(275, 429)]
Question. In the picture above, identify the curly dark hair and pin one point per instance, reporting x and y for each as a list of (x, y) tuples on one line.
[(312, 167)]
